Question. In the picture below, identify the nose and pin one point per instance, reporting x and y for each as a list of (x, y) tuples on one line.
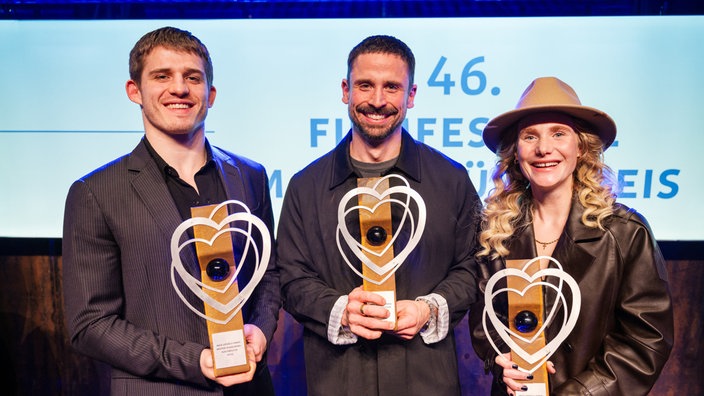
[(544, 147), (378, 98), (179, 87)]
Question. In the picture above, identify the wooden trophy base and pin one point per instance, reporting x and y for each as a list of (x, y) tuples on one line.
[(227, 341), (530, 301), (376, 229)]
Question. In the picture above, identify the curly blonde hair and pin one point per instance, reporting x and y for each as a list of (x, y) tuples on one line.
[(509, 205)]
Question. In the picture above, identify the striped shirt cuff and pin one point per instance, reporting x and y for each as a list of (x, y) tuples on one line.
[(437, 331), (338, 334)]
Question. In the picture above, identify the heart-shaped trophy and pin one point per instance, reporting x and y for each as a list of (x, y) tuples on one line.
[(214, 230), (528, 321), (372, 201)]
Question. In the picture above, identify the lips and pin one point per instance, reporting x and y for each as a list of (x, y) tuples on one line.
[(179, 105), (545, 164), (376, 114)]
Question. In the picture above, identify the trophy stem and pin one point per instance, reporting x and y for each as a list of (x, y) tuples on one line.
[(526, 315), (376, 229), (217, 264)]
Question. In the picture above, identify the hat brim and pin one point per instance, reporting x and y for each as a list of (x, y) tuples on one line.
[(603, 125)]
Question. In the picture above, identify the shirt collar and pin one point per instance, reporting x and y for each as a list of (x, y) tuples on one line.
[(164, 167), (408, 160)]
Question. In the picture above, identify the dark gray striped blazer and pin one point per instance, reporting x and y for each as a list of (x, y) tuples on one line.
[(121, 307)]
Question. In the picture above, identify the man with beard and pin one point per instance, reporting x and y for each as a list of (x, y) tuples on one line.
[(350, 349)]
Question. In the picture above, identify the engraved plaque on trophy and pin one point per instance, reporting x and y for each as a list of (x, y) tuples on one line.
[(214, 229)]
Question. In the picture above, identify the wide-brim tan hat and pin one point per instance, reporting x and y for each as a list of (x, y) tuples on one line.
[(549, 94)]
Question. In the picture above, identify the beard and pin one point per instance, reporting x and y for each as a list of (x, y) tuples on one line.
[(374, 134)]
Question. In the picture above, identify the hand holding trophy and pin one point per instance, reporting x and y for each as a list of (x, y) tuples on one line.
[(373, 200)]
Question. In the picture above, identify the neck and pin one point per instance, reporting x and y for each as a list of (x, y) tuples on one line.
[(185, 153), (385, 150), (550, 216)]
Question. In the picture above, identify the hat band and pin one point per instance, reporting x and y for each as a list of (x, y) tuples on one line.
[(545, 117)]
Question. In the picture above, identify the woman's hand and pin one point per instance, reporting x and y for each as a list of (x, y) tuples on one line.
[(512, 375)]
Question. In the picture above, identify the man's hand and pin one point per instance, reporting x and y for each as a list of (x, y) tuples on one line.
[(208, 370), (411, 317), (256, 339), (365, 314)]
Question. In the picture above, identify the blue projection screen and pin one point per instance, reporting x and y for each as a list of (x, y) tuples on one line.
[(65, 111)]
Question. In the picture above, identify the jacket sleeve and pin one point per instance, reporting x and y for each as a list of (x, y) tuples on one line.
[(266, 299), (634, 352), (306, 296), (94, 300), (480, 342), (459, 287)]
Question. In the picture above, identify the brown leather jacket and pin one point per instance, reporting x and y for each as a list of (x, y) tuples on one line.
[(624, 332)]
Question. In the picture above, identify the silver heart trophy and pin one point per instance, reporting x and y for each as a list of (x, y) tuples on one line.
[(537, 279), (240, 223), (401, 195)]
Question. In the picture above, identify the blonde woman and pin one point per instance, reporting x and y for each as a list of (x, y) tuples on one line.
[(552, 198)]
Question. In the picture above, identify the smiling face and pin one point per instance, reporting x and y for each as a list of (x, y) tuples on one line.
[(547, 154), (173, 93), (377, 95)]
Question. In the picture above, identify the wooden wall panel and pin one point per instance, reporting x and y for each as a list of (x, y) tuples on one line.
[(684, 372), (34, 337), (39, 360)]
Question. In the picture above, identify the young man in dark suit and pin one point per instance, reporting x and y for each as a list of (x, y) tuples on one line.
[(121, 306)]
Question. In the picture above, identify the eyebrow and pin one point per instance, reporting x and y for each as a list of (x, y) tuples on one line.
[(370, 82), (160, 71), (553, 128), (362, 81), (168, 70)]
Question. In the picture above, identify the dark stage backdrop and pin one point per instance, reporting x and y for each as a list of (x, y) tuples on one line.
[(38, 360)]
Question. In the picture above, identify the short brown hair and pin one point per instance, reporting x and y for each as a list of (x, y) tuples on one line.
[(172, 38), (382, 44)]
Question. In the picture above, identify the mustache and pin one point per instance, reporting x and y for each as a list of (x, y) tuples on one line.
[(385, 111)]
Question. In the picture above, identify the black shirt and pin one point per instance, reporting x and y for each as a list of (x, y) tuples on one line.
[(210, 187)]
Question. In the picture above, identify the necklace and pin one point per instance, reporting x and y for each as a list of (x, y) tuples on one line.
[(545, 244)]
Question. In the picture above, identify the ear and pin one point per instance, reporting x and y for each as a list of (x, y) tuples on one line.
[(133, 93), (411, 96), (211, 97), (345, 91)]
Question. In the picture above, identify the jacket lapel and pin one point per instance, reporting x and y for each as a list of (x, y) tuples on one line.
[(148, 183), (522, 246), (231, 176), (574, 259), (235, 189)]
